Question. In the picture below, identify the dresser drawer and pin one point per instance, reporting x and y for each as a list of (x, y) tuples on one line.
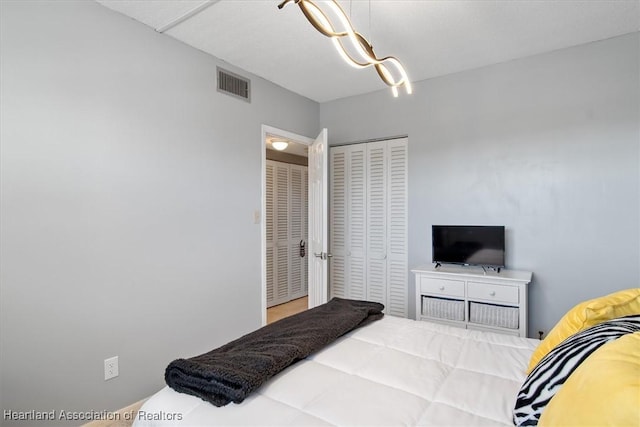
[(444, 287), (489, 292)]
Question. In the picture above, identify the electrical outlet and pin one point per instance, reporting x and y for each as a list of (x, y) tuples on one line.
[(110, 368)]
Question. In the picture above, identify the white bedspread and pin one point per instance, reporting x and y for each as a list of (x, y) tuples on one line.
[(392, 372)]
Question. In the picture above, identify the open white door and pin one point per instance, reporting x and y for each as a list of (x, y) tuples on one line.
[(318, 230)]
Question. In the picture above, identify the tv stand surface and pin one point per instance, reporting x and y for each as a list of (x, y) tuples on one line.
[(472, 297)]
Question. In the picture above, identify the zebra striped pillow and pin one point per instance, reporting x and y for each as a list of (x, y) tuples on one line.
[(552, 371)]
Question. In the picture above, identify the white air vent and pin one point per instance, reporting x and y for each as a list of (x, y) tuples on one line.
[(234, 85)]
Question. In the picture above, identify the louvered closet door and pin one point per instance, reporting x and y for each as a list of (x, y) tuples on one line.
[(357, 221), (270, 190), (369, 223), (305, 227), (377, 222), (397, 251), (348, 217), (338, 221), (297, 218), (281, 216), (305, 230)]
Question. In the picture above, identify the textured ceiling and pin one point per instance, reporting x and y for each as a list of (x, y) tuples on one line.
[(431, 38)]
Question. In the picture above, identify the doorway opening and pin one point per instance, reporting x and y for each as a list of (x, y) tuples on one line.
[(284, 223)]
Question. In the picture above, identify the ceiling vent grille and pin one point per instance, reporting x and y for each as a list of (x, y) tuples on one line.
[(234, 85)]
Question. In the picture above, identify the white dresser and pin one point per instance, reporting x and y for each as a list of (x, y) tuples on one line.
[(471, 298)]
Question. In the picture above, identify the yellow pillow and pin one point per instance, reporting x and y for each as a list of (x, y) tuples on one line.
[(586, 315), (603, 391)]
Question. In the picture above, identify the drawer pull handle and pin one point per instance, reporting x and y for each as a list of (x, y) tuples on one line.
[(442, 288), (492, 293)]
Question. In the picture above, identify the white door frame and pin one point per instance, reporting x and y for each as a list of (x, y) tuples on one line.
[(270, 131)]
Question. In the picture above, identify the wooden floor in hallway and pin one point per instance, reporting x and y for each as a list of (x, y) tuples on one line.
[(287, 309)]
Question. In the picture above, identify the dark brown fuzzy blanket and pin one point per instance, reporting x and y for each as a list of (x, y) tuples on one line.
[(231, 372)]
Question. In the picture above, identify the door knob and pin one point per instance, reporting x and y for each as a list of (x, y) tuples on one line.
[(322, 255)]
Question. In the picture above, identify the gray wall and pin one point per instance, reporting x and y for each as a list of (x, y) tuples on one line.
[(547, 146), (128, 189)]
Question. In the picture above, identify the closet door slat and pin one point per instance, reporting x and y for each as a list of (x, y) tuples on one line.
[(338, 278), (397, 279), (356, 219)]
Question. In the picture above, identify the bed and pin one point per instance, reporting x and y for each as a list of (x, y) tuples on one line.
[(393, 371), (396, 371)]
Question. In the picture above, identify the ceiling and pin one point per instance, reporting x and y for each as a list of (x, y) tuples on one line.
[(430, 37), (294, 147)]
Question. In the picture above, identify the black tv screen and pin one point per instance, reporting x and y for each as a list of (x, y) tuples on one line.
[(468, 244)]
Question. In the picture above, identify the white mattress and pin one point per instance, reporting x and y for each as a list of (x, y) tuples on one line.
[(392, 372)]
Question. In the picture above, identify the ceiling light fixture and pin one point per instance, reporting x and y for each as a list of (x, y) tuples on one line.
[(279, 145), (363, 55)]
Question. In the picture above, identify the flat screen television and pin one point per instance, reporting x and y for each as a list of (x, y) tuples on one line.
[(481, 245)]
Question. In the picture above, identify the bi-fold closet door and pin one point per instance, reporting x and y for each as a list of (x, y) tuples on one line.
[(286, 227), (368, 223)]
